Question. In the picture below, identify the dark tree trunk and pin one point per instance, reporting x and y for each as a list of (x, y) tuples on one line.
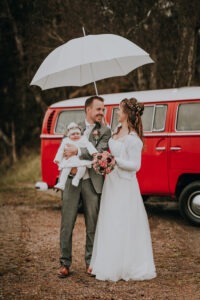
[(184, 71), (13, 143)]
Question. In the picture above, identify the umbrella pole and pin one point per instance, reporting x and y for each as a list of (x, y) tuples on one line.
[(95, 86)]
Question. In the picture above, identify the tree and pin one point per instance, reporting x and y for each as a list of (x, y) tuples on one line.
[(30, 30)]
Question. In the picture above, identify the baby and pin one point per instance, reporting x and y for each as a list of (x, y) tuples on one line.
[(73, 137)]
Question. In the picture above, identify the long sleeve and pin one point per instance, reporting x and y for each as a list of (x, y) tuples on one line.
[(60, 152), (84, 143), (91, 149), (103, 143), (132, 159)]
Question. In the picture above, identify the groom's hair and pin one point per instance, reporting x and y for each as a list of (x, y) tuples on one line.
[(90, 100)]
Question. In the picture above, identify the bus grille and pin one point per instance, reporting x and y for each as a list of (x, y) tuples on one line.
[(49, 122)]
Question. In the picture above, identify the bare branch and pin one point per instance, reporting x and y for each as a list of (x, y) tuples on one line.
[(133, 29), (16, 36), (4, 137), (55, 36)]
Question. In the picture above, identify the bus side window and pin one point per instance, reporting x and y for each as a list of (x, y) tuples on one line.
[(67, 116), (153, 118), (188, 117)]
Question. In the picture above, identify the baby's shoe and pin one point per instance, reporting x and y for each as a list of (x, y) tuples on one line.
[(59, 186), (75, 181)]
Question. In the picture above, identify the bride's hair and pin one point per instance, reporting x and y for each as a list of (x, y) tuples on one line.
[(134, 111)]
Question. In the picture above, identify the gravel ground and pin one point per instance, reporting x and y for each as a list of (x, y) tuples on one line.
[(29, 253)]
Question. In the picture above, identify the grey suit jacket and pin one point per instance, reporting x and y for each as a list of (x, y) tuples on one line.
[(101, 144)]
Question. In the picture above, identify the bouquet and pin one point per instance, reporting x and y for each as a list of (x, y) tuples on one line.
[(103, 163)]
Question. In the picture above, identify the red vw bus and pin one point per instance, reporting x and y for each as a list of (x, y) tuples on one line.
[(171, 155)]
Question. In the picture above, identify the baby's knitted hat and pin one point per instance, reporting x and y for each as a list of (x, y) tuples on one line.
[(72, 128)]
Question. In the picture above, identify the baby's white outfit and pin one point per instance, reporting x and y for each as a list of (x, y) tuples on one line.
[(65, 165)]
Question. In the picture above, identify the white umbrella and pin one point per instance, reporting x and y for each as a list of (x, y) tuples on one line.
[(88, 59)]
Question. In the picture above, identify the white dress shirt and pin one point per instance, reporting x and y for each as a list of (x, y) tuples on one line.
[(88, 130)]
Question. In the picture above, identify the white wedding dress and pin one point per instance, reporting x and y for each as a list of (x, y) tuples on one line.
[(122, 246)]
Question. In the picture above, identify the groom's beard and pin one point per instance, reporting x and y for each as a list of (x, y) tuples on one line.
[(97, 124), (99, 118)]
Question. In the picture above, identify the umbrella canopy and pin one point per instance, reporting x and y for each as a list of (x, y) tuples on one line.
[(88, 59)]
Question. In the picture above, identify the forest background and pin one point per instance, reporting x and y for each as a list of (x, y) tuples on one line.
[(31, 29)]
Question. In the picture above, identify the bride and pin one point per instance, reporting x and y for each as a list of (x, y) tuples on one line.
[(122, 246)]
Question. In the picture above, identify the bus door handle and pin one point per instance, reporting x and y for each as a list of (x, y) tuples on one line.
[(161, 148), (175, 148)]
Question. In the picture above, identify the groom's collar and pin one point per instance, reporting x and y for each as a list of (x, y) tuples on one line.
[(94, 125), (89, 124)]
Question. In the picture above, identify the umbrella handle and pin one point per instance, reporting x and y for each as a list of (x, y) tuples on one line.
[(83, 31)]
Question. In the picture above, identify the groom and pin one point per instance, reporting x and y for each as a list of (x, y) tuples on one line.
[(89, 188)]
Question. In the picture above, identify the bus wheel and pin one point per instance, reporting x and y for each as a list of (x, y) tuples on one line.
[(189, 203)]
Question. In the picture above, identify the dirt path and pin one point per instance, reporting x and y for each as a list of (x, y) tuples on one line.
[(29, 254)]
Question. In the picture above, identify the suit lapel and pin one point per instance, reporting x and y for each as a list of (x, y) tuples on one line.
[(98, 127), (92, 138), (83, 127)]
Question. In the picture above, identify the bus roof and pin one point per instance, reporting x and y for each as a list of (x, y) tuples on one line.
[(183, 93)]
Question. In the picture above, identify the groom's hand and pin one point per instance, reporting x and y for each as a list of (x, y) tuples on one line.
[(70, 150)]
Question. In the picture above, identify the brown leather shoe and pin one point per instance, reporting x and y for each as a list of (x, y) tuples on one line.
[(63, 272)]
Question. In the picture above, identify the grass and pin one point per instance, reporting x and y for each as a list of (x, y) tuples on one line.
[(18, 185), (26, 170)]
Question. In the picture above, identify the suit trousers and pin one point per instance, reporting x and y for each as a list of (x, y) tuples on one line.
[(70, 204)]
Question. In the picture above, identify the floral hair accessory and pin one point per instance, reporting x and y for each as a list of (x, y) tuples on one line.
[(103, 163), (134, 106)]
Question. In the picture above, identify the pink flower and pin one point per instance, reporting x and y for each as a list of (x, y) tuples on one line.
[(103, 163)]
